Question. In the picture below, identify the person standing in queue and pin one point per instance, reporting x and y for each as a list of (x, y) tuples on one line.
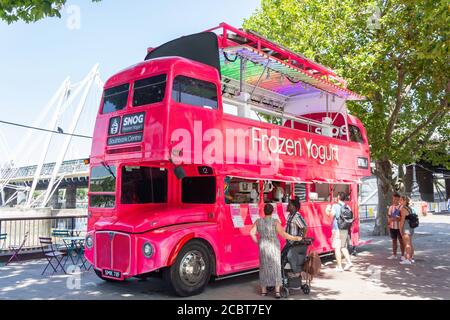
[(269, 250), (394, 227), (339, 236), (406, 231), (295, 226)]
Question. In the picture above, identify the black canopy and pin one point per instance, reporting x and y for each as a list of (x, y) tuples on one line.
[(202, 47)]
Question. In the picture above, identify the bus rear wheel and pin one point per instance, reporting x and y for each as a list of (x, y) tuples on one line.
[(191, 271)]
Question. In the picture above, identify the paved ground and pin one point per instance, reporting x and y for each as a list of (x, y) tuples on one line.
[(373, 277)]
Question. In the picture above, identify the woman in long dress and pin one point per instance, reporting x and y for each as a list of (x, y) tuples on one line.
[(269, 250)]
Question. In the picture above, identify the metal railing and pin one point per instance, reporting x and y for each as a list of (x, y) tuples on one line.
[(368, 211), (69, 166), (15, 229)]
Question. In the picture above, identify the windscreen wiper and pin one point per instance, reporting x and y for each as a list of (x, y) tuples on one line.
[(107, 167)]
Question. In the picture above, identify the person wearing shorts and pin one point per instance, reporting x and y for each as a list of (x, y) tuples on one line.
[(406, 231), (339, 237), (394, 227)]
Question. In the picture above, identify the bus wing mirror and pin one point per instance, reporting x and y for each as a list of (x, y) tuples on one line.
[(179, 172)]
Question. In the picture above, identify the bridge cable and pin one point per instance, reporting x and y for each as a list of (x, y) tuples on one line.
[(46, 130)]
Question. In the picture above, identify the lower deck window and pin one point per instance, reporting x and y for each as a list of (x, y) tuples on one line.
[(198, 190), (102, 201), (143, 185)]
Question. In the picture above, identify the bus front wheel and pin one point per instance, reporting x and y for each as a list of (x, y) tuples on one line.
[(191, 271)]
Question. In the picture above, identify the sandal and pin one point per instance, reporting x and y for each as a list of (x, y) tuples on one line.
[(277, 295)]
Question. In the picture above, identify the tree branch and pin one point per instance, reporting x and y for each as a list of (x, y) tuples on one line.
[(441, 111), (398, 105)]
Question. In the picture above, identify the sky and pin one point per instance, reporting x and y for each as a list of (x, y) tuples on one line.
[(35, 58)]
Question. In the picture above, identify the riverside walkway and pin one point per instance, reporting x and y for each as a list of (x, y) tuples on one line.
[(373, 276)]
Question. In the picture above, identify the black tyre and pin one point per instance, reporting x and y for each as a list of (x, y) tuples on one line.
[(191, 271), (99, 274), (306, 289)]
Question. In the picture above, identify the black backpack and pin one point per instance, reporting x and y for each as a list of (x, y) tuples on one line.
[(413, 218), (346, 218)]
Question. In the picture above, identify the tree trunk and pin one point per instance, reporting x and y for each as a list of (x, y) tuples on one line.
[(385, 185)]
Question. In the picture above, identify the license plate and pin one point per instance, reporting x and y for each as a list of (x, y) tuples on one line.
[(112, 274)]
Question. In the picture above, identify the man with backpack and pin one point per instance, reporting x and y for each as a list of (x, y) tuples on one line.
[(394, 227), (342, 222)]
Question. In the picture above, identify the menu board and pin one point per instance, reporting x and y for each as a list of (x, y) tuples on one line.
[(236, 216), (253, 210)]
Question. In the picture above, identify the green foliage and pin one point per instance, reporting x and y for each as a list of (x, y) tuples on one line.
[(30, 10), (396, 53), (82, 193)]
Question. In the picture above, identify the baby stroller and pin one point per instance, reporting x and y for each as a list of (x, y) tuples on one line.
[(291, 281)]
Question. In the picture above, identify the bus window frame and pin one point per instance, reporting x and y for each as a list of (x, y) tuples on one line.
[(102, 100), (215, 82), (222, 194), (308, 191), (119, 183), (103, 193), (216, 191), (163, 101), (363, 137)]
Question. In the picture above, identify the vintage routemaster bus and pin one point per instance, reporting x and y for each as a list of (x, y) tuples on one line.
[(191, 143)]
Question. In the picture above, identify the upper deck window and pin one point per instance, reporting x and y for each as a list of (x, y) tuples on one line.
[(115, 98), (194, 92), (143, 185), (149, 90), (355, 134)]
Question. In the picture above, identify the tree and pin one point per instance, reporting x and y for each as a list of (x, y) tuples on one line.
[(30, 10), (394, 52)]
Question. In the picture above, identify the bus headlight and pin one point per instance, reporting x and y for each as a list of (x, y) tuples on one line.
[(89, 242), (147, 249)]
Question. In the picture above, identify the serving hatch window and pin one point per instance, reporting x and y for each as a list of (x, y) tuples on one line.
[(320, 191), (149, 90), (115, 98), (237, 190), (194, 92), (143, 185), (337, 188)]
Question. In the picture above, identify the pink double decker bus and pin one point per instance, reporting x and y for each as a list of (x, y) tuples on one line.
[(190, 144)]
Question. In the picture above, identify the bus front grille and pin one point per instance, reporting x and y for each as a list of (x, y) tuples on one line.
[(112, 251)]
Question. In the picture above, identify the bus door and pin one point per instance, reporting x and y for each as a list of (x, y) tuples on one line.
[(242, 209)]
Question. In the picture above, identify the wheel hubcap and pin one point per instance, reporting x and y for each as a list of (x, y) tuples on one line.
[(192, 268)]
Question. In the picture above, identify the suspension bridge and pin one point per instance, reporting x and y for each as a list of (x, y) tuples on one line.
[(50, 155)]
